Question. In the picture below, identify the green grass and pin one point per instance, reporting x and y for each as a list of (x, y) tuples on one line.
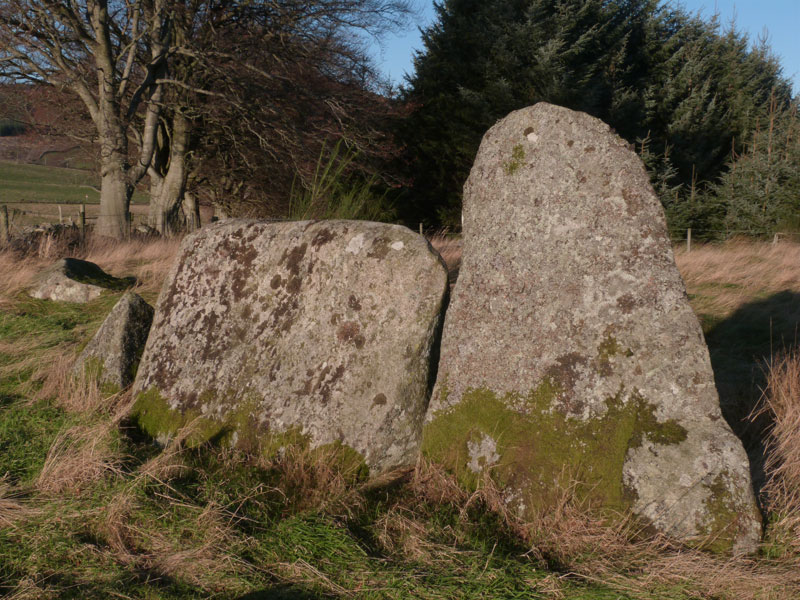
[(266, 538), (181, 523), (37, 183)]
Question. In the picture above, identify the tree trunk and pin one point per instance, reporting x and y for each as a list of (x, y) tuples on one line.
[(115, 197), (164, 214), (168, 181), (191, 212)]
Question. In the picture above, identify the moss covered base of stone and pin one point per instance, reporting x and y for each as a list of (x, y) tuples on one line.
[(94, 371), (726, 518), (153, 415), (534, 452)]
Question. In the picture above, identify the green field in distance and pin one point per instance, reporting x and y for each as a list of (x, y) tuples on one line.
[(22, 183)]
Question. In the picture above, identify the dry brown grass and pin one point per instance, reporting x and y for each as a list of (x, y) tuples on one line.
[(28, 589), (205, 559), (12, 506), (740, 270), (18, 274), (86, 453), (149, 260), (449, 247), (581, 543), (79, 394), (146, 259), (781, 401), (79, 457), (320, 479), (203, 555)]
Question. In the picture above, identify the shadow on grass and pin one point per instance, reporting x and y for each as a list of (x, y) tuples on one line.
[(284, 592), (7, 398), (742, 347)]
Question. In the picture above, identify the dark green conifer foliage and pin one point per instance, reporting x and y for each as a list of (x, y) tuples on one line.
[(761, 190), (685, 92)]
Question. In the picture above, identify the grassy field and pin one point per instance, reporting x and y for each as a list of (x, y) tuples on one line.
[(90, 509), (23, 183)]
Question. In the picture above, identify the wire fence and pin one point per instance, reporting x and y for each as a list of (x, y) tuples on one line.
[(64, 216), (75, 214)]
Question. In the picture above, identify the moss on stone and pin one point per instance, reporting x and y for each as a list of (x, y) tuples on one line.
[(611, 347), (721, 528), (517, 156), (608, 349), (94, 371), (93, 368), (344, 459), (153, 415), (540, 449), (272, 443), (239, 429)]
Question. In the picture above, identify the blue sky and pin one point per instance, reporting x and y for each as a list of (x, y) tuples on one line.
[(779, 19)]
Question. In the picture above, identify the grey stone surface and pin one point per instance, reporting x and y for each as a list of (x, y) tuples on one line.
[(317, 329), (570, 350), (114, 352), (75, 280)]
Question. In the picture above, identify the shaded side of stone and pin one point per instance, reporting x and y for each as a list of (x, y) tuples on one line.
[(75, 280), (570, 351), (113, 354), (318, 331)]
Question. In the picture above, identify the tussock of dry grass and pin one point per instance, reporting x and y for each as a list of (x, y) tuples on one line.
[(208, 560), (74, 394), (115, 529), (28, 589), (18, 274), (583, 544), (12, 508), (781, 401), (316, 479), (86, 453), (148, 260), (79, 457)]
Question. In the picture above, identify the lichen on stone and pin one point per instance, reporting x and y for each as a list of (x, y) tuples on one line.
[(325, 326)]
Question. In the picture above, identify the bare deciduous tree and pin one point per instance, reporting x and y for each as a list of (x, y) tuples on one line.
[(147, 69), (94, 48)]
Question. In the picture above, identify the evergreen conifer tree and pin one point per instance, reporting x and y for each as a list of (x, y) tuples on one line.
[(674, 84)]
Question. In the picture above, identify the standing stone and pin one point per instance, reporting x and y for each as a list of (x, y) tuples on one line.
[(113, 354), (313, 331), (570, 351), (75, 280)]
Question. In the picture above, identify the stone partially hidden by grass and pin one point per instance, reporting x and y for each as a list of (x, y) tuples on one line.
[(180, 523), (75, 280)]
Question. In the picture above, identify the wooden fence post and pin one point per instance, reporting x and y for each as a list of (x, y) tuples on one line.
[(5, 230), (689, 240), (60, 216), (82, 221)]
